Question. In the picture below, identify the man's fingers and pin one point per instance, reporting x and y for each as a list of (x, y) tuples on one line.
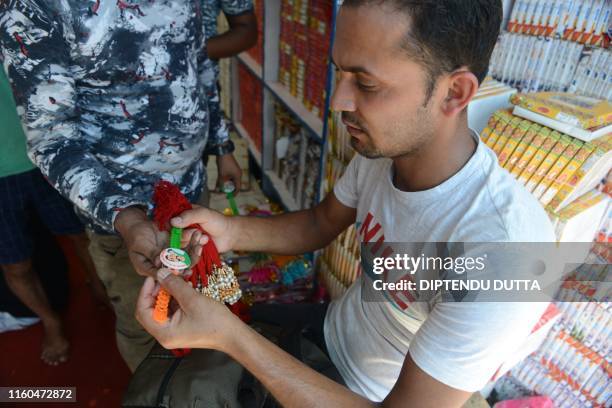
[(189, 217), (235, 179), (186, 236), (146, 298), (195, 247), (176, 286), (143, 265)]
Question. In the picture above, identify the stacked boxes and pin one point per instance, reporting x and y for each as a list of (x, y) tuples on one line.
[(554, 167), (339, 264), (582, 21), (533, 64), (592, 77), (304, 49), (296, 158), (572, 365), (251, 95), (556, 45), (339, 152), (340, 260)]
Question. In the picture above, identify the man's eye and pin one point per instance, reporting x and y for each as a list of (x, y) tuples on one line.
[(366, 87)]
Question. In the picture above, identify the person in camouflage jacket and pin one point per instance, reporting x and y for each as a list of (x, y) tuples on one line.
[(115, 95)]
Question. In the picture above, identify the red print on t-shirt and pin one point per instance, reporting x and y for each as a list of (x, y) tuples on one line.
[(401, 297)]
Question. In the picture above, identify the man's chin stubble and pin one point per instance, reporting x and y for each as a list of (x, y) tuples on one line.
[(365, 152)]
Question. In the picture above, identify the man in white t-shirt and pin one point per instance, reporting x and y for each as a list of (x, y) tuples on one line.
[(406, 72)]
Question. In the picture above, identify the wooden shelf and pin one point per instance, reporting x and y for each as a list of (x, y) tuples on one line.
[(273, 92), (250, 143), (309, 119), (282, 191), (251, 64)]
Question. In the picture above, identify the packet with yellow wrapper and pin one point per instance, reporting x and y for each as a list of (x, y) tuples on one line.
[(505, 135), (531, 148), (513, 142), (538, 156), (549, 160), (567, 155)]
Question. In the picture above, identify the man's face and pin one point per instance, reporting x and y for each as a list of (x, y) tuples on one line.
[(381, 92)]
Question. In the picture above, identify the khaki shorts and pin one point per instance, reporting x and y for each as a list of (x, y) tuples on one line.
[(110, 257)]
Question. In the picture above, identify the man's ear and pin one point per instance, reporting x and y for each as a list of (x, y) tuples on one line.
[(461, 87)]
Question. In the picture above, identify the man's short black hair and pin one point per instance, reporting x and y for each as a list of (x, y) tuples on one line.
[(445, 35)]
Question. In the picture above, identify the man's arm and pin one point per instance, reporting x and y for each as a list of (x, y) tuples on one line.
[(33, 40), (294, 384), (295, 232), (291, 233), (38, 63), (241, 36), (205, 323)]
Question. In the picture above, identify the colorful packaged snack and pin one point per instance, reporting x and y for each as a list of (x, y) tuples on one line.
[(565, 157), (531, 148), (504, 119), (486, 132), (513, 142), (550, 159), (525, 140), (505, 135), (567, 179), (538, 156)]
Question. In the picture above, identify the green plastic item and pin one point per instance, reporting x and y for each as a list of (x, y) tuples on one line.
[(175, 237), (228, 189), (232, 202)]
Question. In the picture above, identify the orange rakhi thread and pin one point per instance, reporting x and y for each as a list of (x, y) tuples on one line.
[(160, 313)]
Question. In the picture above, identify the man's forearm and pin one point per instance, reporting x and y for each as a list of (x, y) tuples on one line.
[(291, 382), (231, 43), (292, 233), (127, 218), (287, 234)]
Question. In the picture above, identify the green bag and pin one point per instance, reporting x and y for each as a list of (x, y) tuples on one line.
[(201, 379)]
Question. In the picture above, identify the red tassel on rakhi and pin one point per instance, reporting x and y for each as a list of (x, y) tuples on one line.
[(169, 203), (210, 275)]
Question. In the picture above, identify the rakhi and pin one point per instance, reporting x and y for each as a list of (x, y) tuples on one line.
[(228, 189), (210, 276), (175, 259)]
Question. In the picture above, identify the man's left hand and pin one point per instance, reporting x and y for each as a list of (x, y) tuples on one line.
[(143, 239), (199, 322), (229, 170)]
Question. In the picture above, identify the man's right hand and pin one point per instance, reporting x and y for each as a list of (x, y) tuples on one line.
[(214, 224), (143, 240)]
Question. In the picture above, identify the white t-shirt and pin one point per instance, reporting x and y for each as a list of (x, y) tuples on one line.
[(458, 344)]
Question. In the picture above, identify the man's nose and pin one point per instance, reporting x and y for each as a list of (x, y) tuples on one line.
[(342, 99)]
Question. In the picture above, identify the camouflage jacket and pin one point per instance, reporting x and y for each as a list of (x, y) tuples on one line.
[(211, 10), (114, 95)]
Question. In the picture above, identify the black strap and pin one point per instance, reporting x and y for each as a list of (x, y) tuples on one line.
[(166, 380)]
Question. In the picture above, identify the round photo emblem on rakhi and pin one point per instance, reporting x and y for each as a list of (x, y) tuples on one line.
[(174, 258)]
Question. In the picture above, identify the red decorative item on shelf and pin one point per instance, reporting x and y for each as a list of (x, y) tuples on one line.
[(304, 48), (251, 102), (208, 274), (257, 50)]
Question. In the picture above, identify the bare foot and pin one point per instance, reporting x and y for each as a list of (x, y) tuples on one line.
[(55, 345)]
